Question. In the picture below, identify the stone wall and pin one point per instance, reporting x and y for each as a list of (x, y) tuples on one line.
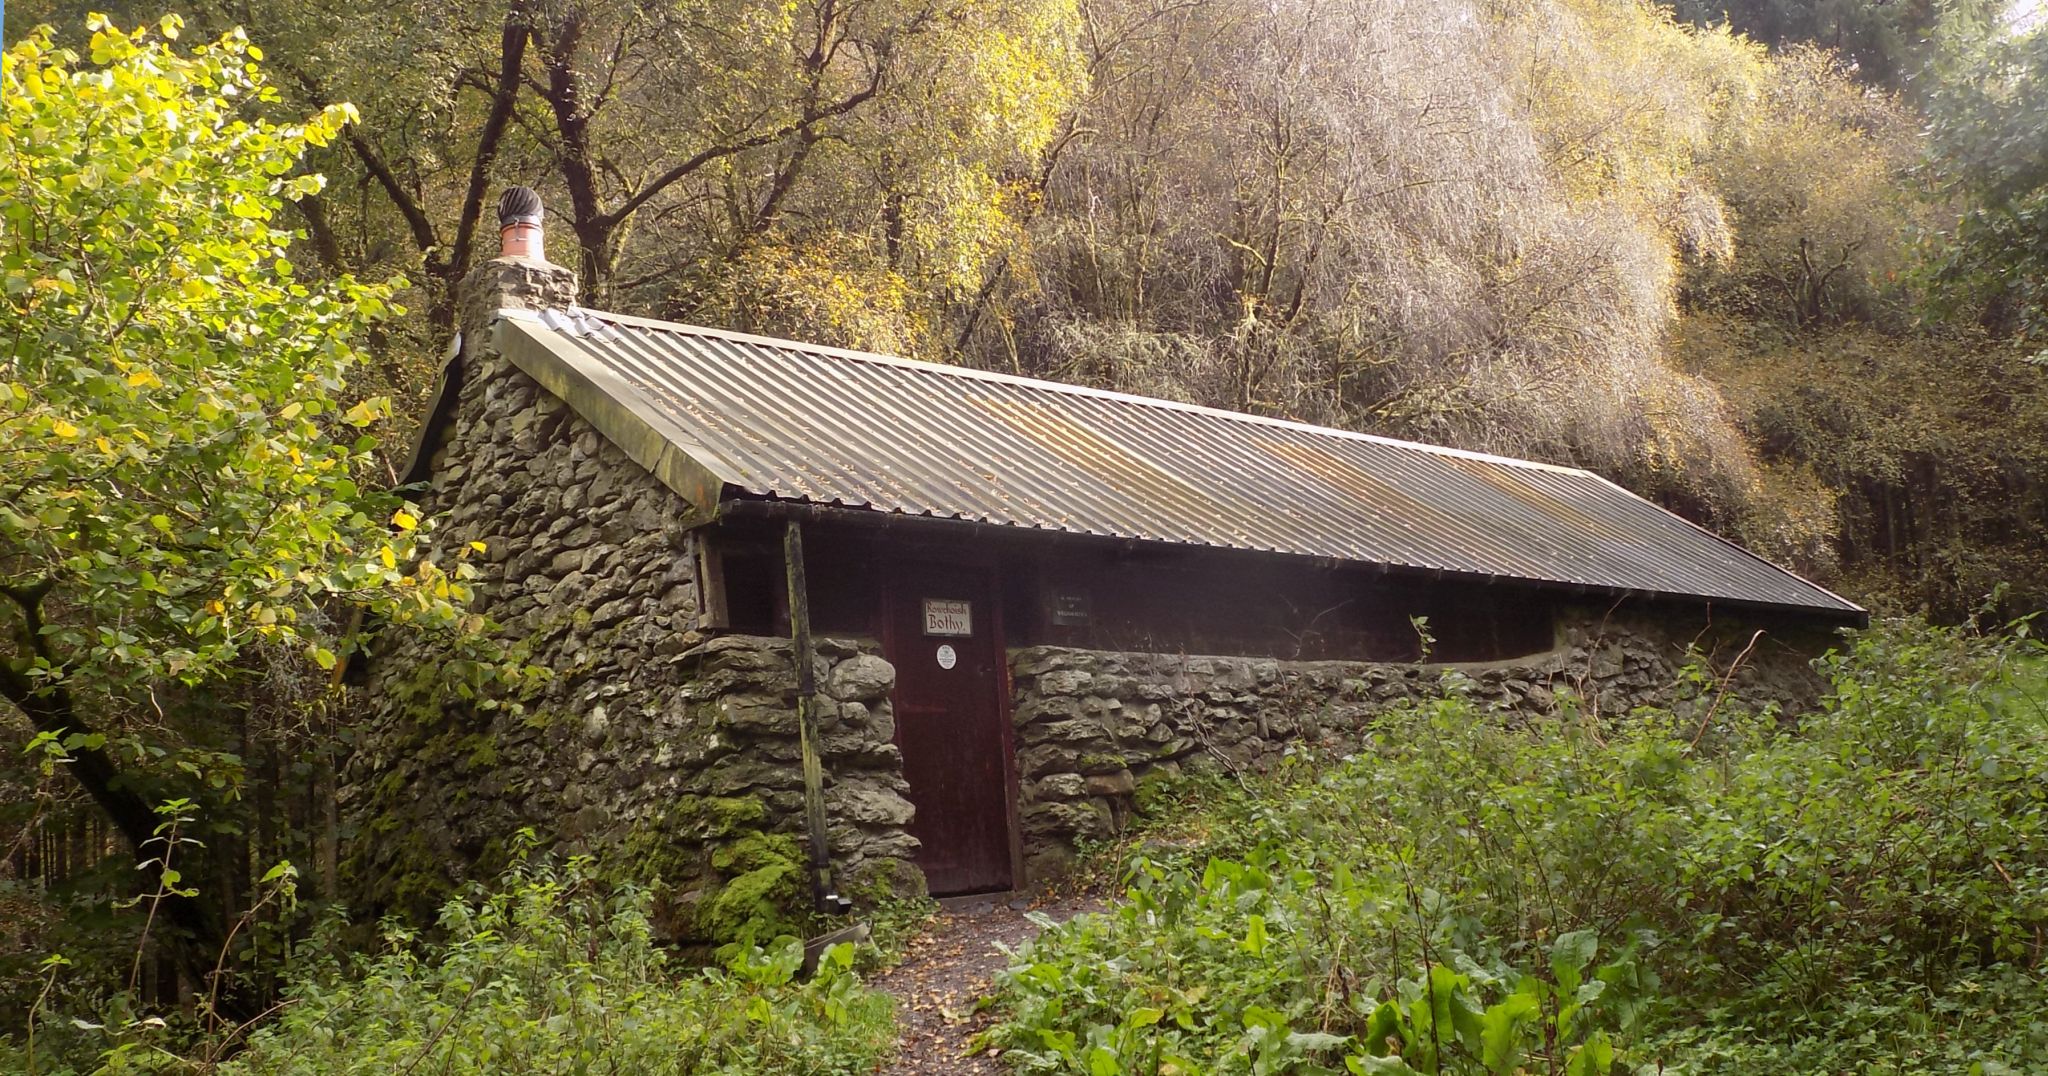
[(633, 735), (672, 754), (719, 804), (1090, 723)]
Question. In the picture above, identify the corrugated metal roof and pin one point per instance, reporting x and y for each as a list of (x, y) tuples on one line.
[(778, 419)]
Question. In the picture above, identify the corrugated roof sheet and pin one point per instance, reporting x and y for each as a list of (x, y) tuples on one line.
[(779, 419)]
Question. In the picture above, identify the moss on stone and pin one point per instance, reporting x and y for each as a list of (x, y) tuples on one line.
[(417, 877), (756, 850), (1096, 762), (749, 884), (669, 847), (479, 750), (881, 881), (762, 896), (724, 816)]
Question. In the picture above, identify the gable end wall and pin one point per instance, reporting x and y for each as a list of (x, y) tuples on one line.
[(673, 755), (666, 752)]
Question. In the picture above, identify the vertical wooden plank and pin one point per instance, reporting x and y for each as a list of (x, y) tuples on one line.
[(805, 655), (712, 611)]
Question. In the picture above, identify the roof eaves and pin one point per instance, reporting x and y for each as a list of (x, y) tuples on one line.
[(1849, 612), (1847, 605), (440, 405), (616, 409)]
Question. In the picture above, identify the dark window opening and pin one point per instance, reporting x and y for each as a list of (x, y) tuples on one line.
[(1489, 630), (846, 592), (753, 590)]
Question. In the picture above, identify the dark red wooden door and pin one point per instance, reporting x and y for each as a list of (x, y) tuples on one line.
[(941, 637)]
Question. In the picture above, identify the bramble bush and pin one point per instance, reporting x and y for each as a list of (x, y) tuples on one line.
[(1859, 888)]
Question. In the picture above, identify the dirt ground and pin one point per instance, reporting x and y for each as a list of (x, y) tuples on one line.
[(948, 968)]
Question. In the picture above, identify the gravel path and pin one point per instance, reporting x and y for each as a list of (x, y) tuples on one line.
[(948, 968)]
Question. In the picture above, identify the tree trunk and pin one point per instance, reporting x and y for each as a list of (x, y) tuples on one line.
[(52, 709)]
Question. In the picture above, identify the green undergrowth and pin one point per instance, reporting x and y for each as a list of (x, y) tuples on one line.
[(551, 971), (1859, 889)]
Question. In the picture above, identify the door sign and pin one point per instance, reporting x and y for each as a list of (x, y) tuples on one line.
[(947, 658), (943, 616)]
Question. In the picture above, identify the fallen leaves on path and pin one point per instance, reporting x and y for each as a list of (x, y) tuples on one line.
[(946, 970)]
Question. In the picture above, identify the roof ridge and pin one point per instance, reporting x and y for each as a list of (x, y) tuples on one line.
[(1044, 384)]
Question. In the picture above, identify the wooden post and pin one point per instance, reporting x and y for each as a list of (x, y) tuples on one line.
[(828, 900)]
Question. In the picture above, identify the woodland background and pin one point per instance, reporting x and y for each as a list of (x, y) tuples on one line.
[(1774, 263), (1780, 265)]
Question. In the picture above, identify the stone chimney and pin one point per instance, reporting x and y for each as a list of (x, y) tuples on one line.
[(520, 277)]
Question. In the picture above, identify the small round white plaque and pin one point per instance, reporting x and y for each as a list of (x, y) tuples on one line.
[(947, 658)]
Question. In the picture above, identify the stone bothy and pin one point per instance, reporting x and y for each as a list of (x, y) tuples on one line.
[(803, 626)]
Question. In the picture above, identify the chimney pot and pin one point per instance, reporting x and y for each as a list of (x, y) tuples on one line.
[(519, 225), (520, 278)]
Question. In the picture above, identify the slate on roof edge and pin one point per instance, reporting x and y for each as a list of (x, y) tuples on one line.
[(769, 504), (647, 437)]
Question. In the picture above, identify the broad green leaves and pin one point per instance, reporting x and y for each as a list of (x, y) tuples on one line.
[(1861, 887), (178, 466), (559, 973), (1283, 961)]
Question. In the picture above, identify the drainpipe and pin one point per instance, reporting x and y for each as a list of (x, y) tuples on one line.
[(828, 900)]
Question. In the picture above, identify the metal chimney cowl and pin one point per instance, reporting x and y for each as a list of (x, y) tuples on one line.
[(520, 277), (519, 225)]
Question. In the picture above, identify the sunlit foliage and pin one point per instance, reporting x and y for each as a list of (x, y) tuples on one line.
[(180, 479), (1461, 222), (186, 498), (705, 160)]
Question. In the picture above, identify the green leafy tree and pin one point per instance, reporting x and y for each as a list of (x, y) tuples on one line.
[(1888, 42), (837, 169), (1989, 125), (178, 475)]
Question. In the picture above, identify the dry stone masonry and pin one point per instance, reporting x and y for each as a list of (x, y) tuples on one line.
[(1090, 723), (727, 802), (634, 736)]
